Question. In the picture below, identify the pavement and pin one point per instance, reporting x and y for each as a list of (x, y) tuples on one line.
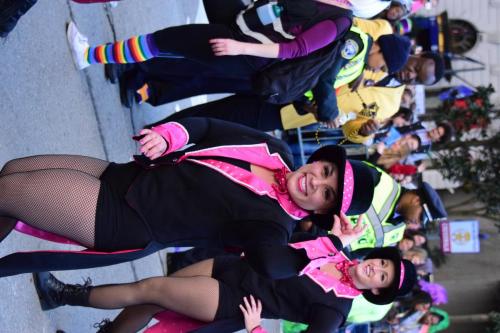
[(49, 107)]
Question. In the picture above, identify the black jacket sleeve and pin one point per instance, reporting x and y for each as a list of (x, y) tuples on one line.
[(281, 261), (277, 262), (324, 320), (209, 130), (324, 93)]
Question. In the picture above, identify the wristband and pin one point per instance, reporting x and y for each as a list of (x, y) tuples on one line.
[(257, 329)]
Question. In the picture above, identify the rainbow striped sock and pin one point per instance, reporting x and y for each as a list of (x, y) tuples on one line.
[(135, 49)]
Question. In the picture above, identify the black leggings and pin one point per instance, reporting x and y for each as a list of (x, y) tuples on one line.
[(192, 41)]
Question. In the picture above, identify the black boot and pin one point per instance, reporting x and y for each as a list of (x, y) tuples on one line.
[(54, 293), (6, 226), (104, 326), (127, 94), (113, 72), (10, 12)]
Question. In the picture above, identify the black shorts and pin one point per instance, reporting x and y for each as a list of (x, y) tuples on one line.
[(117, 225), (229, 271)]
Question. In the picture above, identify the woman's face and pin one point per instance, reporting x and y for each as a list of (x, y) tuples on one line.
[(419, 240), (314, 186), (436, 133), (423, 307), (405, 244), (373, 274), (431, 319), (409, 141), (399, 121), (394, 13), (415, 258)]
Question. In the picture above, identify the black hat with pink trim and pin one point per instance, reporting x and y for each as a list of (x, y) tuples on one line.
[(355, 183), (405, 276)]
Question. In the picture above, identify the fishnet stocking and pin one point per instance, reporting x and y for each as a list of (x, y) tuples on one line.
[(92, 166), (52, 203), (60, 201)]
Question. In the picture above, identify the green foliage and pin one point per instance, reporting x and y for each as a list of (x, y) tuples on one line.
[(477, 167), (474, 162), (468, 113), (495, 319)]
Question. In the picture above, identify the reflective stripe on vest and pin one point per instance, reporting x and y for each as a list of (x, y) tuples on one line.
[(354, 67), (277, 26), (380, 232)]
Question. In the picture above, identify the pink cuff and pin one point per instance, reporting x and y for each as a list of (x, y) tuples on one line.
[(174, 133), (258, 329)]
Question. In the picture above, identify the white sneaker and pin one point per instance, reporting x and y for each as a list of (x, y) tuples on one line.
[(78, 44)]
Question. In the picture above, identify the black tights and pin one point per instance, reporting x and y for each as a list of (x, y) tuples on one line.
[(55, 193), (190, 291)]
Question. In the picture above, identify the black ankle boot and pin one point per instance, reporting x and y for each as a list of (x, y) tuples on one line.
[(10, 12), (54, 293), (104, 326), (6, 226)]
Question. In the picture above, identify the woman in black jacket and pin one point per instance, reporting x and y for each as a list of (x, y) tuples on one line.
[(233, 187), (316, 285)]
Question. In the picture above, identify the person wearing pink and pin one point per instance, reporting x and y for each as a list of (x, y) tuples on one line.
[(314, 283), (232, 187)]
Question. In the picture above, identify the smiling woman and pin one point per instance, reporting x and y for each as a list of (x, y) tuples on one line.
[(233, 187), (314, 186), (316, 285)]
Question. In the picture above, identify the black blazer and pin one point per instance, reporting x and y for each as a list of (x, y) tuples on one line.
[(186, 204), (288, 296)]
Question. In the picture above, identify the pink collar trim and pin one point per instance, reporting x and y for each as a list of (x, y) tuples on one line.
[(254, 154), (39, 233), (257, 154), (321, 251)]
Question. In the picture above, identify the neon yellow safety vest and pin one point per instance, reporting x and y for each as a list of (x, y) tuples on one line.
[(380, 233), (361, 311), (355, 66)]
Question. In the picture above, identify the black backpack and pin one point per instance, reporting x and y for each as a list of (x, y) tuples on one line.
[(285, 81)]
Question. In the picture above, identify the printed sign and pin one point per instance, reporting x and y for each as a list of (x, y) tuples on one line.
[(459, 236)]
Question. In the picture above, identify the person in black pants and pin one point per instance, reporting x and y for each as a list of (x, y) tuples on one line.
[(233, 46), (315, 284)]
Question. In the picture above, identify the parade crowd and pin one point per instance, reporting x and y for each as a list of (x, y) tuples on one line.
[(324, 238)]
